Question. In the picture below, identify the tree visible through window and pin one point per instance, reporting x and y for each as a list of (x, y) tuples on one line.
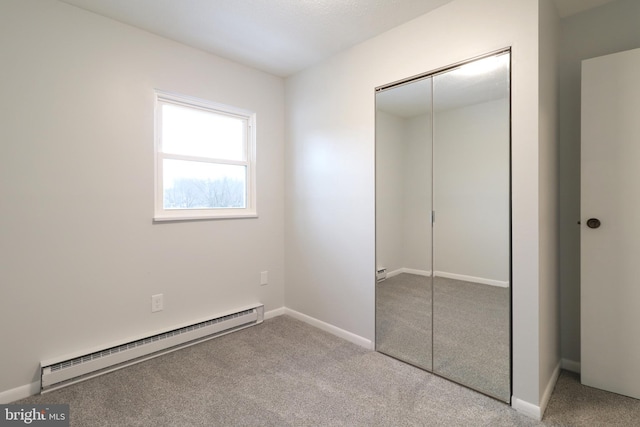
[(205, 159)]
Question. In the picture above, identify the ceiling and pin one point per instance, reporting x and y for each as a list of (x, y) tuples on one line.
[(277, 36)]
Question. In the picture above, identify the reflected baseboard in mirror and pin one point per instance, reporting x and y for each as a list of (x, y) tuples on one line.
[(403, 329)]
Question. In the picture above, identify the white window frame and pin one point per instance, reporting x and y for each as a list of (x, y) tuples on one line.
[(162, 214)]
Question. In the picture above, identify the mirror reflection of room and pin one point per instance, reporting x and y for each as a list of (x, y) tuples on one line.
[(403, 225), (443, 223)]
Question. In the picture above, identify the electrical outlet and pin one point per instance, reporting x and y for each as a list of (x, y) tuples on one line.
[(264, 278), (157, 303)]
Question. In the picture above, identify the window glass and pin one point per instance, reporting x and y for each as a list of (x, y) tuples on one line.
[(195, 185), (194, 132)]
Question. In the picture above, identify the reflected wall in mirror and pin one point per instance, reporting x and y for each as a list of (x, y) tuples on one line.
[(443, 145)]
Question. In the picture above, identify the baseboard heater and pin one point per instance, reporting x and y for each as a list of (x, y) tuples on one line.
[(60, 372)]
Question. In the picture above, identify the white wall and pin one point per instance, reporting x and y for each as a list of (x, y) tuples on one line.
[(390, 188), (330, 166), (403, 188), (477, 219), (549, 290), (416, 231), (471, 174), (79, 254), (601, 31)]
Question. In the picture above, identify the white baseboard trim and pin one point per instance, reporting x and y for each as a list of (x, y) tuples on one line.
[(394, 273), (481, 280), (410, 271), (416, 272), (534, 411), (274, 313), (570, 365), (351, 337), (548, 391), (525, 408), (18, 393)]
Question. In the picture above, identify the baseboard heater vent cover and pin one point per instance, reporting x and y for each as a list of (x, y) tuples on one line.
[(60, 372)]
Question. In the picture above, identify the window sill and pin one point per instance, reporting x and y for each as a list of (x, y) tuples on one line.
[(170, 218)]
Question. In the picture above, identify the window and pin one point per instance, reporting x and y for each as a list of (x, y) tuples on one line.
[(205, 160)]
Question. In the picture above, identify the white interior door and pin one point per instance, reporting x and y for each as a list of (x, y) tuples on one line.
[(610, 254)]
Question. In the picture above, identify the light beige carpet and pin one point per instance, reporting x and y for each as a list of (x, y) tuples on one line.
[(287, 373)]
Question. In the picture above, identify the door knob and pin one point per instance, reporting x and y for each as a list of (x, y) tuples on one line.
[(593, 223)]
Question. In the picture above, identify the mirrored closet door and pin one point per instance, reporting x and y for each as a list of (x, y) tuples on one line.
[(403, 222), (443, 223)]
